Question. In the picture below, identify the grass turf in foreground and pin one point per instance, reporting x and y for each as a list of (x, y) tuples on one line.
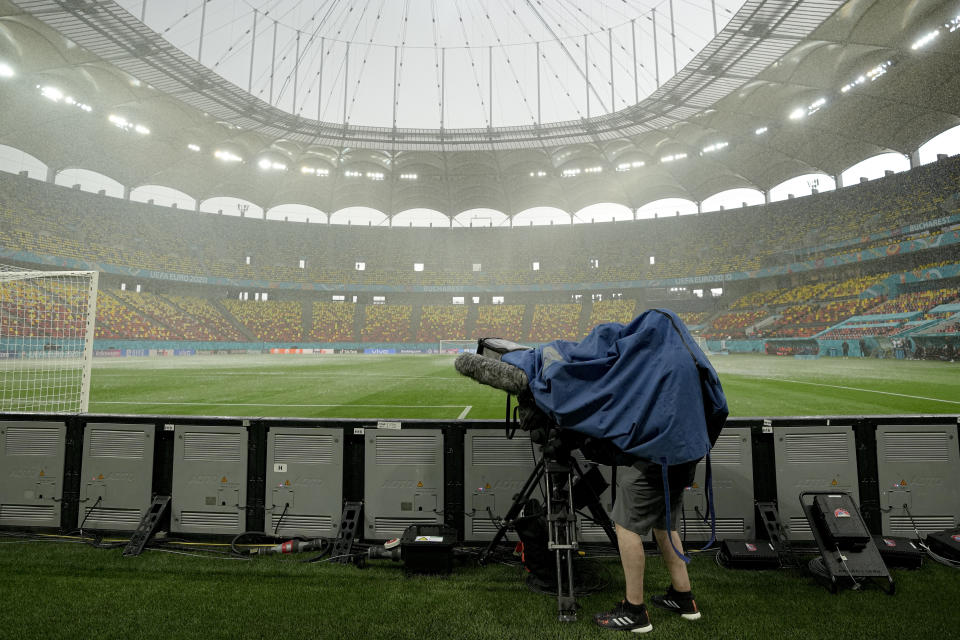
[(54, 590)]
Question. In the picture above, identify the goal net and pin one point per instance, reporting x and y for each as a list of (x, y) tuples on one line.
[(46, 339), (458, 346)]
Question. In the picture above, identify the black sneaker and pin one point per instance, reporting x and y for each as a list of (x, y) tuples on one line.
[(625, 617), (678, 602)]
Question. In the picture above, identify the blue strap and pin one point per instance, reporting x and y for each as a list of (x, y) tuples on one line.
[(711, 509), (666, 495)]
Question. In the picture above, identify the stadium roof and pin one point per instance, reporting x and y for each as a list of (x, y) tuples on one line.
[(786, 88)]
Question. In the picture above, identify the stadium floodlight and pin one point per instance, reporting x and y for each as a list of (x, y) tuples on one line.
[(953, 25), (798, 114), (226, 156), (193, 147), (375, 175), (593, 170), (264, 164), (570, 173), (761, 130), (413, 176), (51, 93), (6, 71), (717, 146), (352, 174), (142, 130), (673, 157), (925, 39)]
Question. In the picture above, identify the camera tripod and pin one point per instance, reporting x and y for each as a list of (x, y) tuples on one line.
[(560, 474)]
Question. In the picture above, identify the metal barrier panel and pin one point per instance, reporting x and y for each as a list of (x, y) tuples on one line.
[(209, 479), (918, 470), (304, 478), (495, 469), (403, 480), (814, 458), (31, 463), (116, 476), (732, 467)]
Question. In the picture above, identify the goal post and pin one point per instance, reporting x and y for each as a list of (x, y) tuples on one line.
[(46, 339), (458, 346)]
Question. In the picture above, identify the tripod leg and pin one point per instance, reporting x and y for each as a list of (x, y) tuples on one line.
[(563, 536), (515, 509)]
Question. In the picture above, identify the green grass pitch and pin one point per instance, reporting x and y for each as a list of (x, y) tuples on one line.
[(408, 387)]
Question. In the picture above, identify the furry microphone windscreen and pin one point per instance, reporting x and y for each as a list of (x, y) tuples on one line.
[(493, 373)]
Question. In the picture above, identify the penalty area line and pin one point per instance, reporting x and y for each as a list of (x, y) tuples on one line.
[(463, 414), (260, 404), (886, 393)]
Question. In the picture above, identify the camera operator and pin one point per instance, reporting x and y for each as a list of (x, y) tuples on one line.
[(641, 506)]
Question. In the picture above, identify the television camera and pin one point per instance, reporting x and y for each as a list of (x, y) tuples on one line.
[(569, 486)]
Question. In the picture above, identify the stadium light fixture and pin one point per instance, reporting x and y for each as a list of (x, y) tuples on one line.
[(6, 71), (375, 175), (925, 39), (673, 157), (593, 170), (310, 171), (269, 165), (798, 114), (717, 146), (570, 173), (761, 130), (226, 156), (51, 93), (142, 130), (352, 174), (953, 25), (408, 176), (627, 166), (193, 147)]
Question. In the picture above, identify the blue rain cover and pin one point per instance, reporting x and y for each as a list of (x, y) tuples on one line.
[(636, 385)]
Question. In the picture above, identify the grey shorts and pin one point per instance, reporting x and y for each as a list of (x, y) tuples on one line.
[(640, 504)]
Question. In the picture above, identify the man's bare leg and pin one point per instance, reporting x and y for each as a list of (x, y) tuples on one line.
[(633, 560), (675, 564)]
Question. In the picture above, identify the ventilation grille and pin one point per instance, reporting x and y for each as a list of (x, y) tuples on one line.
[(213, 447), (105, 518), (591, 530), (26, 514), (727, 450), (295, 524), (210, 520), (497, 450), (394, 527), (817, 448), (799, 526), (915, 447), (110, 443), (483, 527), (407, 449), (901, 525), (298, 448), (31, 441), (726, 527)]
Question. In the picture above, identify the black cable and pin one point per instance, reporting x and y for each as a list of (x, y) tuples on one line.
[(280, 519)]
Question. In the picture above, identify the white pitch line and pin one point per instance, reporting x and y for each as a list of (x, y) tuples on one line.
[(466, 410), (886, 393), (180, 374), (258, 404)]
